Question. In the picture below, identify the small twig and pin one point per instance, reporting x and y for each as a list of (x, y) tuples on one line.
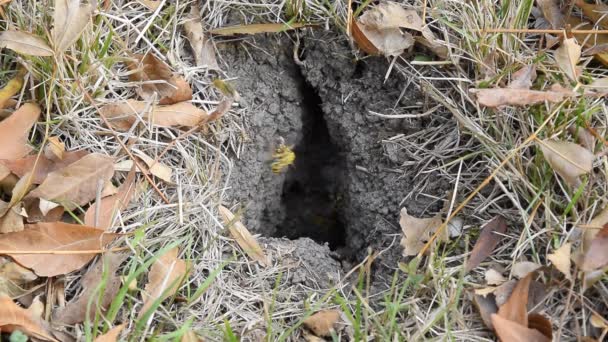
[(540, 31)]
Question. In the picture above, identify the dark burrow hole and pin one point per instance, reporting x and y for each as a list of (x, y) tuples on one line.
[(311, 192)]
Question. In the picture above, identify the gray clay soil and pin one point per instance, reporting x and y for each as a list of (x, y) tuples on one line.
[(344, 189)]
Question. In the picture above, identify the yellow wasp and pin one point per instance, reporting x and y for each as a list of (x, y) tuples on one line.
[(282, 157)]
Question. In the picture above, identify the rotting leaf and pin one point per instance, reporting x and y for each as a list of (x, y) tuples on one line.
[(157, 78), (569, 160), (70, 18), (323, 322), (567, 57), (13, 317), (204, 53), (43, 167), (111, 205), (257, 28), (514, 332), (596, 255), (496, 97), (54, 236), (76, 310), (523, 78), (164, 279), (15, 129), (111, 335), (490, 236), (123, 115), (76, 184), (561, 259), (243, 237), (417, 231), (24, 43)]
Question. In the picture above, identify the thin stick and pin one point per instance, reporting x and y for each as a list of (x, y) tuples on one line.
[(536, 31)]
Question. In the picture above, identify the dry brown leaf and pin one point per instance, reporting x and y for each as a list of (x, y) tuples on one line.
[(21, 189), (24, 43), (514, 332), (516, 307), (362, 42), (158, 169), (486, 306), (11, 88), (561, 259), (523, 268), (204, 53), (76, 184), (54, 149), (12, 220), (496, 97), (34, 208), (43, 167), (589, 39), (490, 236), (123, 115), (569, 160), (166, 275), (596, 255), (69, 21), (540, 323), (552, 13), (14, 278), (323, 322), (158, 81), (13, 317), (493, 277), (567, 57), (389, 42), (243, 237), (594, 11), (111, 205), (15, 129), (76, 310), (523, 78), (391, 15), (416, 232), (256, 28), (55, 236), (111, 335)]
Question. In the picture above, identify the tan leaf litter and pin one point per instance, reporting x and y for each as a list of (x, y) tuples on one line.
[(243, 237), (204, 53), (496, 97), (24, 43), (13, 317), (567, 57), (11, 88), (14, 278), (486, 306), (15, 129), (76, 310), (157, 80), (491, 234), (76, 184), (596, 256), (70, 18), (513, 332), (158, 169), (493, 277), (561, 259), (152, 5), (569, 160), (11, 219), (416, 232), (523, 268), (54, 236), (111, 205), (123, 115), (323, 322), (112, 334), (166, 275), (552, 13), (523, 78), (41, 165), (54, 149)]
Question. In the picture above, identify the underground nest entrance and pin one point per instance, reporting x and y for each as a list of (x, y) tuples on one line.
[(311, 195)]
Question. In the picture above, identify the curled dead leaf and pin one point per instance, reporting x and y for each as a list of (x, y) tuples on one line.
[(15, 129), (596, 256), (157, 79), (204, 53), (24, 43), (243, 237), (111, 205), (70, 18), (123, 115), (561, 259), (11, 87), (567, 57), (416, 232), (490, 236)]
